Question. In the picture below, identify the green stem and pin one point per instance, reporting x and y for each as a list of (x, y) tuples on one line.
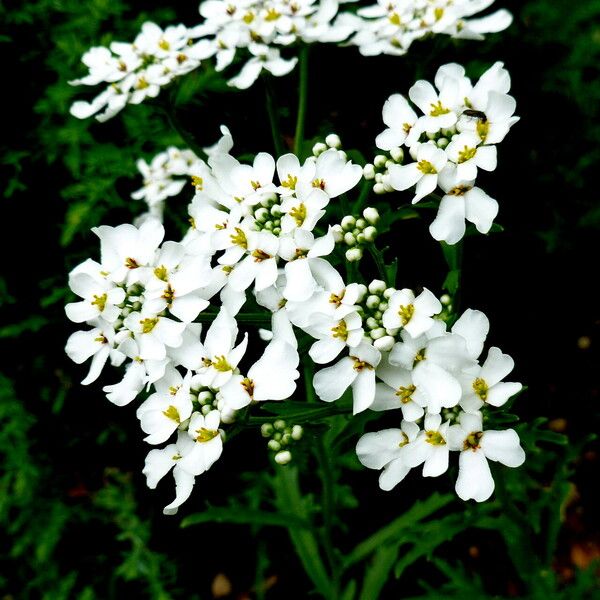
[(273, 117), (302, 100), (328, 498), (366, 188), (380, 264)]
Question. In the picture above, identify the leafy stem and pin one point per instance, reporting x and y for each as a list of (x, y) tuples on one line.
[(379, 263), (273, 117), (302, 100)]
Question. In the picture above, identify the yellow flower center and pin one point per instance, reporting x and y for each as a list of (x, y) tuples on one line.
[(466, 154), (340, 331), (481, 388), (426, 167), (161, 272), (100, 301), (239, 238), (298, 213), (435, 438), (406, 313), (437, 109), (472, 441), (405, 393), (205, 435), (172, 413)]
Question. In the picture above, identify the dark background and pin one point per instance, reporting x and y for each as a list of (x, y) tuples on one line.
[(78, 521)]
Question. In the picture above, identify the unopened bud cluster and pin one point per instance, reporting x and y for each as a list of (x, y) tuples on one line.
[(281, 436), (378, 170), (267, 215), (331, 141), (373, 304), (356, 232)]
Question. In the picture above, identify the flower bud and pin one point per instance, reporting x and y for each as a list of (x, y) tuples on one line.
[(445, 299), (274, 445), (349, 239), (372, 301), (442, 143), (378, 177), (413, 151), (377, 333), (371, 215), (319, 148), (354, 254), (360, 238), (279, 424), (297, 432), (333, 141), (206, 409), (369, 171), (379, 188), (387, 186), (276, 210), (384, 344), (342, 155), (389, 163), (338, 233), (393, 332), (379, 161), (348, 223), (397, 154), (266, 429), (389, 292), (283, 457), (261, 214), (205, 397), (383, 306), (361, 223), (362, 291), (377, 286), (370, 233), (372, 323), (265, 335)]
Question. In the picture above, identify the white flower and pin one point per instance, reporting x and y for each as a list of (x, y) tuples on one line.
[(209, 445), (462, 201), (126, 250), (159, 462), (477, 447), (464, 150), (333, 336), (272, 377), (484, 385), (154, 333), (260, 264), (305, 266), (165, 410), (397, 390), (439, 109), (176, 283), (424, 173), (357, 371), (100, 295), (264, 57), (218, 358), (331, 173), (430, 447), (400, 118), (98, 344), (385, 450), (410, 312)]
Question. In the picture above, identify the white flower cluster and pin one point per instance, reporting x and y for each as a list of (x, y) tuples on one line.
[(165, 176), (136, 71), (258, 30), (250, 232), (142, 300), (391, 26), (454, 137), (434, 377)]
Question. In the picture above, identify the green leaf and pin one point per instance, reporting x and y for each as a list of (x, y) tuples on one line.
[(391, 532), (288, 497), (244, 516), (377, 573), (32, 324)]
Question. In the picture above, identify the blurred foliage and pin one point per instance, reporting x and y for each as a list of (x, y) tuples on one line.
[(74, 526)]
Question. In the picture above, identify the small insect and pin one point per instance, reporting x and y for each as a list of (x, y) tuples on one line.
[(476, 114)]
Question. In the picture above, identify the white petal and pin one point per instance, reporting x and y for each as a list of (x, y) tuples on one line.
[(393, 474), (501, 392), (449, 223), (504, 447), (332, 382), (474, 477), (374, 450), (473, 326), (184, 483)]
